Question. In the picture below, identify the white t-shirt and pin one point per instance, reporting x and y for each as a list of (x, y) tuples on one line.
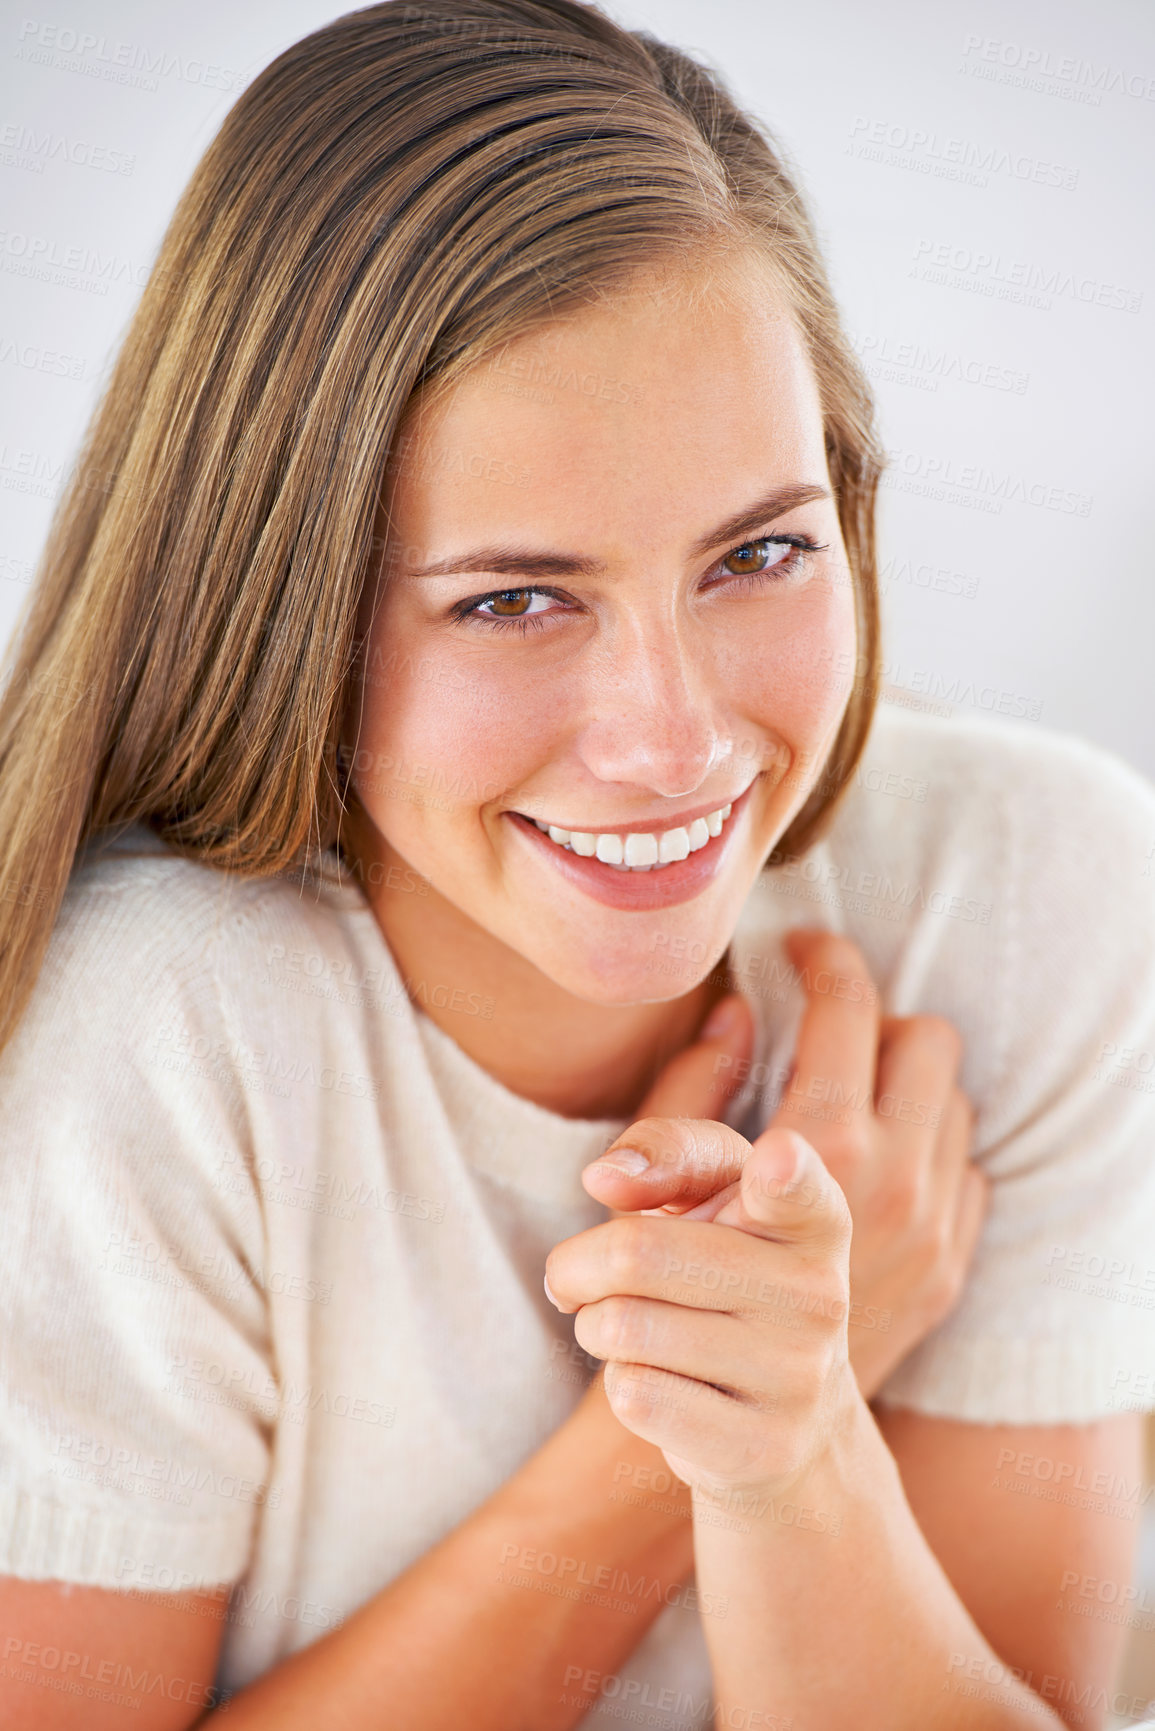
[(272, 1306)]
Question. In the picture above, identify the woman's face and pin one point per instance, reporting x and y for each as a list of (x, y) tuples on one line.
[(617, 605)]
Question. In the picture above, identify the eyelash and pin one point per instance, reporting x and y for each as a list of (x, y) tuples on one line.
[(802, 547)]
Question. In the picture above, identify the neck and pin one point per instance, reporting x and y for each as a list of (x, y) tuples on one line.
[(572, 1057)]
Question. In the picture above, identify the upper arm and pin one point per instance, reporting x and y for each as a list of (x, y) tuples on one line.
[(1035, 1526), (1055, 1000), (97, 1660), (125, 1266)]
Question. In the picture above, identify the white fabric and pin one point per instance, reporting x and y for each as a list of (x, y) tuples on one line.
[(272, 1292)]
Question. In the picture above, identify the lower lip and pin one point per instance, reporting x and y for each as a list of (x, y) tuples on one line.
[(634, 891)]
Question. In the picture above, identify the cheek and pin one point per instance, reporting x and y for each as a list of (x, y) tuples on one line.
[(430, 721), (794, 678)]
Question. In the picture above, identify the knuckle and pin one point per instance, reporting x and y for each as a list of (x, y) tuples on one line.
[(946, 1286), (939, 1037), (622, 1249), (838, 1294), (640, 1390), (822, 1291), (587, 1330), (710, 1148), (634, 1248), (833, 1224), (661, 1138), (935, 1269), (841, 958), (614, 1327), (940, 1244), (898, 1203), (832, 949), (692, 1147), (927, 1246), (845, 1144)]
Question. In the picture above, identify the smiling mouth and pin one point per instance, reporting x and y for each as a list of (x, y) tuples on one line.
[(634, 851)]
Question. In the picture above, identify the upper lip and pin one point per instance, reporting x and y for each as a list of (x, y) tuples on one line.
[(644, 826)]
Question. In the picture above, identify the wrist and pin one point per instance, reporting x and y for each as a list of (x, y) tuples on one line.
[(846, 1445), (873, 1355), (613, 1479)]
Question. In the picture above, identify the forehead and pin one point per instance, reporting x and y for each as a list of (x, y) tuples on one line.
[(654, 412)]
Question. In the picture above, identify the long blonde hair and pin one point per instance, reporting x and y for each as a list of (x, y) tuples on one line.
[(394, 197)]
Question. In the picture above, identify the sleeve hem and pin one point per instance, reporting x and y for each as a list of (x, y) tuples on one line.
[(45, 1540), (1075, 1379)]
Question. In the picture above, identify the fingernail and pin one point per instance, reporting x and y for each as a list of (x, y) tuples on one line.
[(549, 1293), (721, 1019), (791, 1159), (630, 1161)]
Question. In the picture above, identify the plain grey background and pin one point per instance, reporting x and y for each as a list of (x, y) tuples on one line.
[(980, 174)]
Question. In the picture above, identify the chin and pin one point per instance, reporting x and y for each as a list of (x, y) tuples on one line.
[(636, 974)]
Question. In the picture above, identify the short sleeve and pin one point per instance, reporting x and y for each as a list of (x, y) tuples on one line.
[(136, 1388), (1057, 1321)]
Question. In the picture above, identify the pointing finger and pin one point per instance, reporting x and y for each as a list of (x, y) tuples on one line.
[(669, 1163)]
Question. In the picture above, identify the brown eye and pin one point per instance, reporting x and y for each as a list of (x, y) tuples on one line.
[(510, 604), (750, 556)]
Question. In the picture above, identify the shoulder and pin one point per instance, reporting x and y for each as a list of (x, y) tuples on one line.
[(137, 909), (978, 784), (139, 913), (150, 946), (134, 1076), (929, 778), (1021, 858), (1008, 827)]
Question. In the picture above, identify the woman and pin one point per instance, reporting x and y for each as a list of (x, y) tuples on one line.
[(467, 588)]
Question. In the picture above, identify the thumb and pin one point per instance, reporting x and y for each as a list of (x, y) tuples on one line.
[(785, 1193)]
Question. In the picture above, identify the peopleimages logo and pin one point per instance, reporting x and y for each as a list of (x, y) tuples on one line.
[(23, 147), (903, 362), (75, 267), (897, 145), (988, 56), (941, 475), (1000, 278), (129, 63)]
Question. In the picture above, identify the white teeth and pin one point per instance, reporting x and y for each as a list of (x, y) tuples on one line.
[(639, 851), (673, 846)]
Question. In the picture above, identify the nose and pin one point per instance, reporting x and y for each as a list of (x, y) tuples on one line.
[(654, 719)]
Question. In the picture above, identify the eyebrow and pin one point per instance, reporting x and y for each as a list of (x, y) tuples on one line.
[(507, 561)]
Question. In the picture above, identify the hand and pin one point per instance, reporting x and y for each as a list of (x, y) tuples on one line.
[(725, 1341), (877, 1098), (693, 1086)]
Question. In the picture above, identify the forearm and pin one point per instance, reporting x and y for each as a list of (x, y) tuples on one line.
[(839, 1612), (478, 1631)]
